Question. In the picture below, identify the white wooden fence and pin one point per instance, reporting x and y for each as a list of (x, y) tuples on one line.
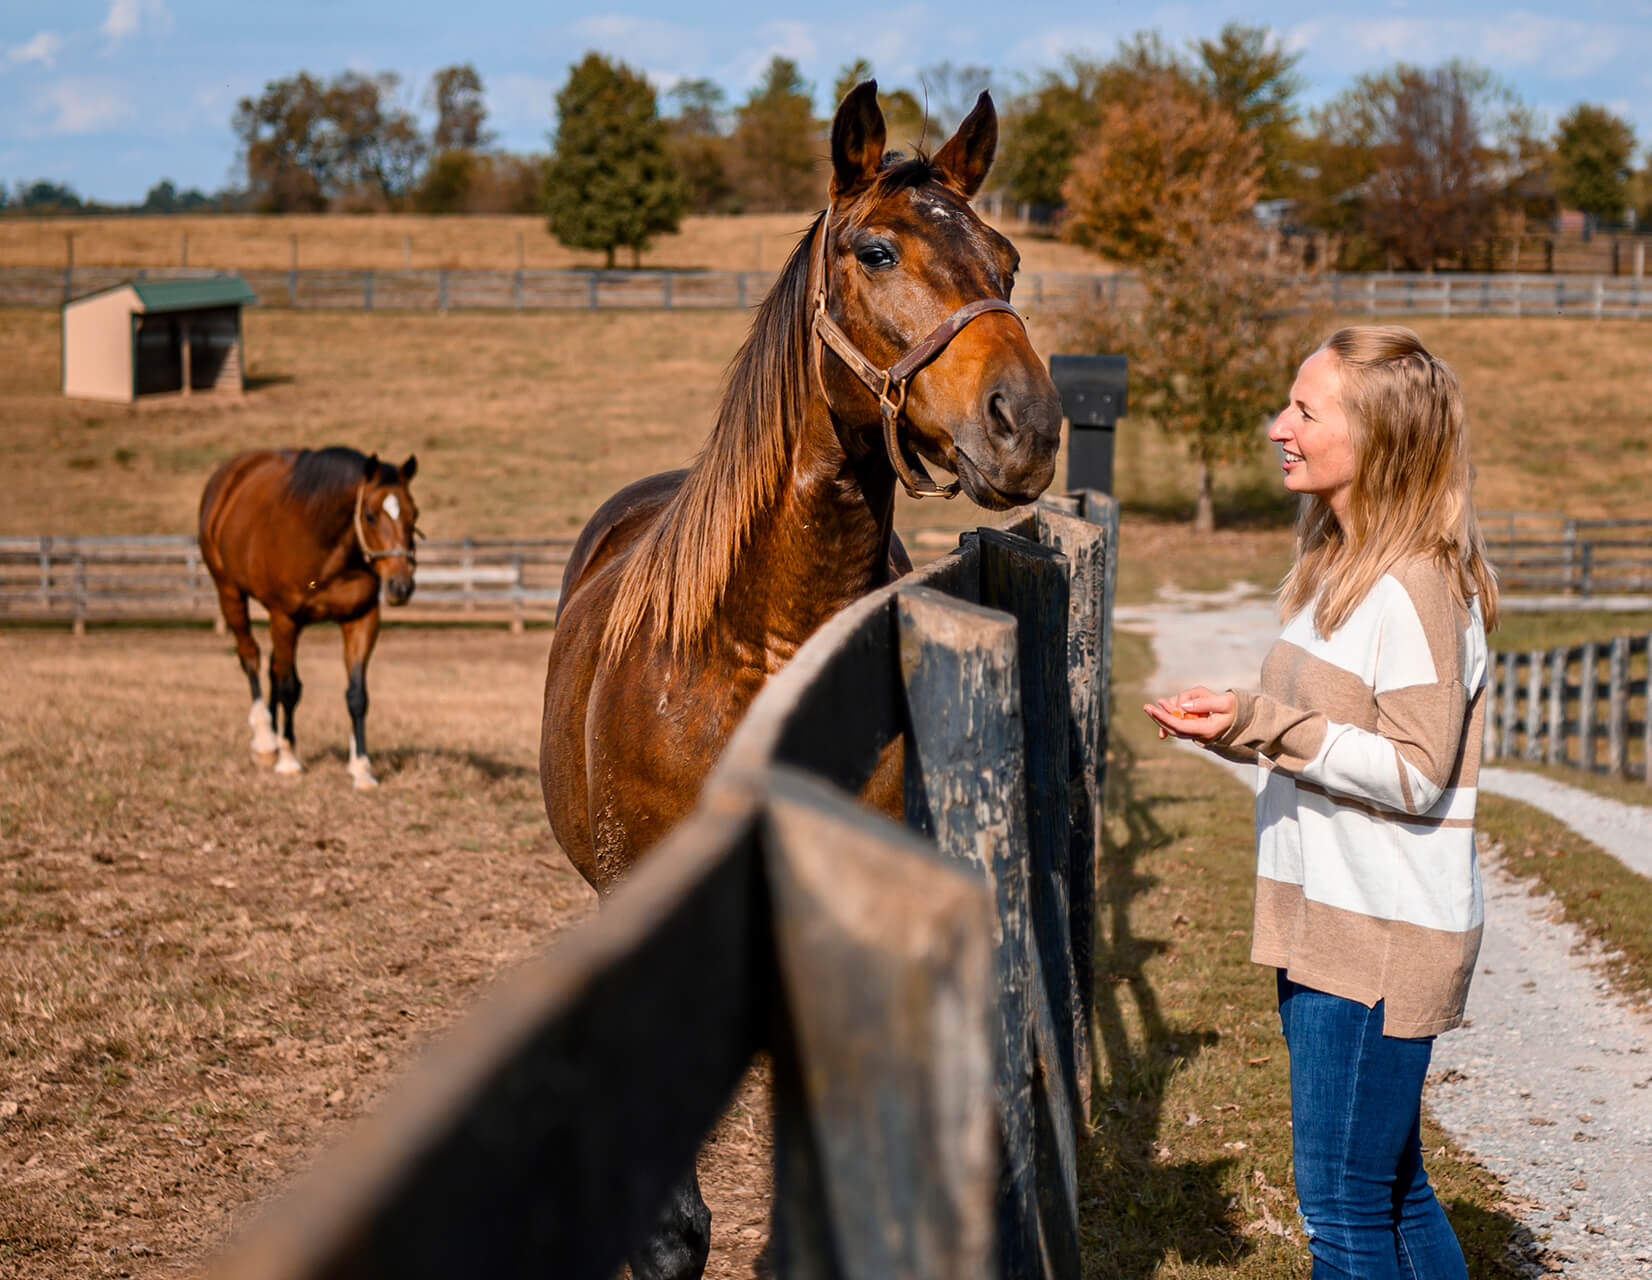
[(134, 578), (1386, 294)]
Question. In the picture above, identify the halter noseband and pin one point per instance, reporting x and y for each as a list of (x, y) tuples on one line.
[(361, 535), (889, 385)]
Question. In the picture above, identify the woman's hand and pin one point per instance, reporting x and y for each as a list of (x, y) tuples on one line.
[(1196, 713)]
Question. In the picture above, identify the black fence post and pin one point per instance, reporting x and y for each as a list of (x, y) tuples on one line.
[(1094, 396)]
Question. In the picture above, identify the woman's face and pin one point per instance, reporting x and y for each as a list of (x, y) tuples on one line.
[(1312, 430)]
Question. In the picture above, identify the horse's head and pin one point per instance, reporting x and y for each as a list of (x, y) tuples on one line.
[(386, 522), (915, 290)]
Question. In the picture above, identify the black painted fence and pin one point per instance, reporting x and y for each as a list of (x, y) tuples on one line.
[(924, 991)]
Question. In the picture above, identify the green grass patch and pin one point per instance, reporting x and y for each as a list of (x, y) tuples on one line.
[(1187, 1171), (1521, 632)]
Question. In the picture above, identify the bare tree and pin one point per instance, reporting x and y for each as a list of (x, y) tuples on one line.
[(455, 93), (1440, 150)]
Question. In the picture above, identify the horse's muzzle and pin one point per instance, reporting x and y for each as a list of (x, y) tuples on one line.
[(398, 590)]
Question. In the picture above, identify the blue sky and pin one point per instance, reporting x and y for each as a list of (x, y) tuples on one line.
[(112, 95)]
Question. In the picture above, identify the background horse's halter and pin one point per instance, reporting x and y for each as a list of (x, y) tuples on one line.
[(889, 385), (361, 535)]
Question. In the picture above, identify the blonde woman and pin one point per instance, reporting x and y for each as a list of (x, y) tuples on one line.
[(1367, 728)]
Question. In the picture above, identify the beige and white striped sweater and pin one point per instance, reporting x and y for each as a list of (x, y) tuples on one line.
[(1369, 740)]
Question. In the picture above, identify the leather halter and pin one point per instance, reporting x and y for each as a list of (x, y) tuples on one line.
[(889, 385), (361, 535)]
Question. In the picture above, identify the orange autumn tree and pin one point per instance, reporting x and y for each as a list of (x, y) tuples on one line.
[(1166, 185)]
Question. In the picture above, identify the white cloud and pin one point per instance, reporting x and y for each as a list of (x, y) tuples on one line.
[(126, 16), (1562, 47), (646, 41), (42, 49), (83, 106)]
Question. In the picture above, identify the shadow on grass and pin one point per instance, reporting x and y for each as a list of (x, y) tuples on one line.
[(258, 381), (1139, 1208), (390, 761)]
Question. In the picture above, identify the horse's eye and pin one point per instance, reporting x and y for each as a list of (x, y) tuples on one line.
[(372, 517), (875, 256)]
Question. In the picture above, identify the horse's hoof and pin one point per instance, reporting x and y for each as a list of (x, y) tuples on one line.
[(263, 759), (288, 764), (361, 773)]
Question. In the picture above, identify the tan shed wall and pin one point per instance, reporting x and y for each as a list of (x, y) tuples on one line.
[(97, 346)]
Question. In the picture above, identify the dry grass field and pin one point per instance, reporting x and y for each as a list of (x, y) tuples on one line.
[(385, 241), (205, 971)]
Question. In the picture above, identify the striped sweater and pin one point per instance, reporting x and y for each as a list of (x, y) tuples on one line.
[(1369, 740)]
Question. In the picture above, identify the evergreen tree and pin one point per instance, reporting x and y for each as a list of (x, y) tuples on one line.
[(1248, 72), (776, 143), (611, 180), (1594, 152)]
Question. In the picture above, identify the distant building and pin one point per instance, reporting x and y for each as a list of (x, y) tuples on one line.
[(154, 337)]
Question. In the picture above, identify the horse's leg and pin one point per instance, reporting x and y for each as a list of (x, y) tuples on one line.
[(359, 637), (285, 688), (232, 602), (681, 1242)]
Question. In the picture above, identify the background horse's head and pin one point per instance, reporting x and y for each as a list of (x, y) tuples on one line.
[(903, 258), (386, 521)]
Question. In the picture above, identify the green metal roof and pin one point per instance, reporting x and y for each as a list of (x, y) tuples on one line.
[(192, 294)]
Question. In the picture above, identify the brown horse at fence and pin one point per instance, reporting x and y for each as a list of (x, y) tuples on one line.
[(887, 339), (312, 535)]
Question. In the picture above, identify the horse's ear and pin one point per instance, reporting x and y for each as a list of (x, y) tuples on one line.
[(963, 163), (857, 139), (370, 468), (409, 467)]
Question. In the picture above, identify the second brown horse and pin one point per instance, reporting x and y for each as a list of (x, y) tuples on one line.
[(313, 535)]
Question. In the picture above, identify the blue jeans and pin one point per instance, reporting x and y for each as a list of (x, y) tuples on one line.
[(1356, 1108)]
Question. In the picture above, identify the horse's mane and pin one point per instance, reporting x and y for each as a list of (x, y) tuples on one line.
[(324, 481), (682, 564)]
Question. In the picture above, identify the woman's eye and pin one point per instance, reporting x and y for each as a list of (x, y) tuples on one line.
[(875, 255)]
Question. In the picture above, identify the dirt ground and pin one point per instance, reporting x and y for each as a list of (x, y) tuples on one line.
[(207, 971)]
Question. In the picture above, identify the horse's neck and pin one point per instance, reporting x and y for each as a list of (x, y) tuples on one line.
[(823, 543)]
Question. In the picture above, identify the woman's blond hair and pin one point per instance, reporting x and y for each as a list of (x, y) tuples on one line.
[(1411, 495)]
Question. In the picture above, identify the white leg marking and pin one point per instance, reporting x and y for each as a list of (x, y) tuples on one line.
[(361, 771), (286, 761), (264, 741)]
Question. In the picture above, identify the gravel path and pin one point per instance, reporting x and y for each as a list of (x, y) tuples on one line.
[(1549, 1082)]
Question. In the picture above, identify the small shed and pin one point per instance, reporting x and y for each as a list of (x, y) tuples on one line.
[(151, 337)]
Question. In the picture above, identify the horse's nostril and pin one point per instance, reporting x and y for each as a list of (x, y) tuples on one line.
[(1000, 417)]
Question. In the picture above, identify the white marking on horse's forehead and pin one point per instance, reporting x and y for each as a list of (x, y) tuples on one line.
[(393, 508)]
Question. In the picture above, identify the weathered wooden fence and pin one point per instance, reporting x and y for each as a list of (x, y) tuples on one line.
[(1555, 706), (78, 580), (1547, 560), (537, 289), (925, 1001)]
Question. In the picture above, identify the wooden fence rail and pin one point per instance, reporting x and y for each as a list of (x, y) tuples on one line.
[(1555, 706), (79, 580), (1547, 560), (925, 1001), (537, 289)]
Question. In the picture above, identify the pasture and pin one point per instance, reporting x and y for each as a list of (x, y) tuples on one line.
[(205, 970), (245, 242)]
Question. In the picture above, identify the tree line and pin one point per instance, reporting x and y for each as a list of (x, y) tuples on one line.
[(1409, 167)]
